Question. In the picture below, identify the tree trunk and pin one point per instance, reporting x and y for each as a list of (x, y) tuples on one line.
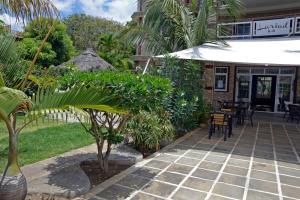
[(99, 154), (13, 183)]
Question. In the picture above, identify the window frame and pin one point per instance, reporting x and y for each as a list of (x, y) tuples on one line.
[(221, 74)]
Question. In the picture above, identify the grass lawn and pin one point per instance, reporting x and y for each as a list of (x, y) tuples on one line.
[(44, 141)]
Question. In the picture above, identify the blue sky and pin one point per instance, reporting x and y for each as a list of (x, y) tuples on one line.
[(119, 10)]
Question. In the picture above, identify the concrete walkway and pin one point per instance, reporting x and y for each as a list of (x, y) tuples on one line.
[(258, 163), (61, 176)]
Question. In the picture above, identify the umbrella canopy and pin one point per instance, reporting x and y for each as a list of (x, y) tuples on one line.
[(89, 61), (263, 51)]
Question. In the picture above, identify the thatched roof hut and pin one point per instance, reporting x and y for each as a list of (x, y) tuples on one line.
[(89, 61)]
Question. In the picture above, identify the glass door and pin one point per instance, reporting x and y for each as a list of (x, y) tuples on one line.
[(263, 92)]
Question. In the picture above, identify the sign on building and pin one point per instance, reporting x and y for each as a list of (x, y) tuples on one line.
[(273, 27)]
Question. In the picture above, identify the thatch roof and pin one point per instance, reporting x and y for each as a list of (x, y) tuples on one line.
[(89, 61)]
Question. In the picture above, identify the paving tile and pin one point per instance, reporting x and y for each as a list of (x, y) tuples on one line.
[(158, 188), (157, 164), (180, 168), (263, 186), (170, 177), (166, 158), (289, 164), (290, 191), (189, 142), (287, 157), (198, 184), (234, 180), (202, 173), (240, 157), (146, 172), (203, 146), (142, 196), (215, 197), (177, 150), (186, 194), (236, 170), (255, 195), (263, 175), (194, 155), (210, 165), (115, 192), (228, 190), (286, 198), (264, 167), (289, 171), (264, 155), (238, 163), (134, 182), (216, 153), (262, 160), (199, 151), (217, 159), (290, 180), (188, 161)]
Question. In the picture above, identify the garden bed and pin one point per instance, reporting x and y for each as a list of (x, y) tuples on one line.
[(96, 175)]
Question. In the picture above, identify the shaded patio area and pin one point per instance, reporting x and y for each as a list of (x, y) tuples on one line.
[(259, 162)]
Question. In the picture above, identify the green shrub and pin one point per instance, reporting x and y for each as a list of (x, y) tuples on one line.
[(132, 93), (187, 106), (135, 92), (149, 129)]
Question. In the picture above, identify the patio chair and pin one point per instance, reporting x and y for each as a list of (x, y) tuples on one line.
[(286, 108), (219, 121), (294, 113), (251, 113)]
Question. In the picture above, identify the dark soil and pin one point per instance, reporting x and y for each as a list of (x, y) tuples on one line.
[(96, 175)]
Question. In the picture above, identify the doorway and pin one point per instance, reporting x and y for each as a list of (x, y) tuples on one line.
[(263, 92)]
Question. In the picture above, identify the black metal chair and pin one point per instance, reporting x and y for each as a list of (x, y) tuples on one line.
[(294, 113), (221, 121), (251, 113)]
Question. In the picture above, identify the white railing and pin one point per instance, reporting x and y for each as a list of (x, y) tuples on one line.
[(259, 28)]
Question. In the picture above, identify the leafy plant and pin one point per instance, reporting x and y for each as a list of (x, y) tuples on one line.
[(187, 105), (85, 30), (136, 92), (133, 92), (118, 53), (148, 129), (169, 25), (58, 48)]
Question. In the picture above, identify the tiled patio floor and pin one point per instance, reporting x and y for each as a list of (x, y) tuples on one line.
[(260, 162)]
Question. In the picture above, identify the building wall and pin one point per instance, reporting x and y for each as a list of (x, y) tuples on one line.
[(209, 94)]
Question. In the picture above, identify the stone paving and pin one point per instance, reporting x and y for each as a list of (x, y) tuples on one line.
[(260, 162)]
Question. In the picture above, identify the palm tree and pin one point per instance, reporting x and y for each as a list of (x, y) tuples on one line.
[(46, 101), (169, 25)]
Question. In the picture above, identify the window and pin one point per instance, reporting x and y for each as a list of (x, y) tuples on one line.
[(297, 29), (243, 87), (221, 79), (238, 29), (285, 86)]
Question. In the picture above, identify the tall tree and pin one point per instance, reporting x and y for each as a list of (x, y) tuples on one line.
[(85, 30), (115, 51), (169, 25), (59, 47)]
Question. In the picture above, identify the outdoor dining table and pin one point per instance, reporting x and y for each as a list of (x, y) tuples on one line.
[(239, 109)]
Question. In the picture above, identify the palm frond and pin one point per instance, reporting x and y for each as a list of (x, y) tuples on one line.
[(28, 9), (47, 100), (12, 101), (9, 61)]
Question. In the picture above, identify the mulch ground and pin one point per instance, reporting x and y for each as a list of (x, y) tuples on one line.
[(96, 175)]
